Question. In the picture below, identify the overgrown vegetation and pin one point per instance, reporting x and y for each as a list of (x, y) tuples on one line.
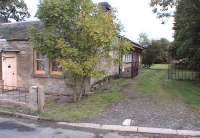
[(89, 107), (154, 82)]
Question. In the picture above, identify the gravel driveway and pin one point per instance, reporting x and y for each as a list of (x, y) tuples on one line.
[(150, 111)]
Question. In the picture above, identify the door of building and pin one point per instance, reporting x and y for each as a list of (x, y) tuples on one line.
[(9, 69)]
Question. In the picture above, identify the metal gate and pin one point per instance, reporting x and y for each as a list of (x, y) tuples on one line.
[(182, 68)]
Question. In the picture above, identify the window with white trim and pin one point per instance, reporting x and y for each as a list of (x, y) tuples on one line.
[(127, 58)]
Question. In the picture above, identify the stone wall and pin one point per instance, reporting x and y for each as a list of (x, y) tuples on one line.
[(108, 66)]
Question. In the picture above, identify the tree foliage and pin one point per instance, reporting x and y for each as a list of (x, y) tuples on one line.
[(143, 39), (13, 9), (187, 27), (156, 51), (161, 48), (163, 8), (187, 30), (77, 33)]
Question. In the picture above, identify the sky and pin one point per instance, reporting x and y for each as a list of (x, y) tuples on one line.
[(136, 16)]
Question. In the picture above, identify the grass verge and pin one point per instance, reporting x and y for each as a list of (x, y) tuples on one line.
[(155, 82), (17, 109), (89, 107)]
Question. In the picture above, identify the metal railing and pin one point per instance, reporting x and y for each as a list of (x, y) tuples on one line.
[(183, 72), (17, 94)]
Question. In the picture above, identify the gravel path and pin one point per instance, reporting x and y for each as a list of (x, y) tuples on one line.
[(150, 111)]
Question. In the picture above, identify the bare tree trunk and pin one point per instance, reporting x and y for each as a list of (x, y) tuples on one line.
[(82, 87), (75, 88)]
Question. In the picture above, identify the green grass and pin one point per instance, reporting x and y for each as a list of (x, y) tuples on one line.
[(154, 82), (89, 107), (18, 109), (159, 66)]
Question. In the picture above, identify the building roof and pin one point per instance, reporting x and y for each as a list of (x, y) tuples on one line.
[(17, 31), (134, 43)]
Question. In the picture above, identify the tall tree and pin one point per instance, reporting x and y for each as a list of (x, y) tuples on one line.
[(161, 50), (156, 51), (187, 30), (77, 33), (187, 27), (13, 9)]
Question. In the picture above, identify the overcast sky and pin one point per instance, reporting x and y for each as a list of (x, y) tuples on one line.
[(135, 15)]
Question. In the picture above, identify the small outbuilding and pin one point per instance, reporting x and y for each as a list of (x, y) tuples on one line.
[(131, 61)]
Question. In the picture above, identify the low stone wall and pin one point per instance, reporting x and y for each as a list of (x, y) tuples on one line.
[(103, 83)]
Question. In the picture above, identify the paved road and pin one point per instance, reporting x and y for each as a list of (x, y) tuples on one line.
[(15, 128)]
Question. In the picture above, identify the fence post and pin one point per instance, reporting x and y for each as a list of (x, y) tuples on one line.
[(36, 99), (33, 90), (41, 100)]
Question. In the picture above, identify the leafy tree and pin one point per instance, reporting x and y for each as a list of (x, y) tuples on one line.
[(187, 27), (143, 39), (13, 9), (163, 8), (161, 48), (77, 33), (155, 52), (187, 30), (149, 55)]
